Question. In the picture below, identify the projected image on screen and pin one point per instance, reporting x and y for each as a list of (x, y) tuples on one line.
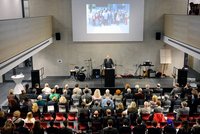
[(112, 18)]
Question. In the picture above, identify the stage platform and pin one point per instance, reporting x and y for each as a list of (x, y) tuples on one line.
[(166, 82)]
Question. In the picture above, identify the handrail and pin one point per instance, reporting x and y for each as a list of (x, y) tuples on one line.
[(41, 70)]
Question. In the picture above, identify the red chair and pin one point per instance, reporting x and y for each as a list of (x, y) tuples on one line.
[(43, 124), (170, 116), (191, 124), (177, 124), (57, 124), (47, 117), (148, 124), (145, 117), (159, 117), (83, 126), (60, 117), (184, 117), (72, 116), (196, 116)]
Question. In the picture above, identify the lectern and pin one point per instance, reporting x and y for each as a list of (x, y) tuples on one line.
[(109, 77)]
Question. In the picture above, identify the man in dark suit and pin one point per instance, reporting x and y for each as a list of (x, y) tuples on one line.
[(110, 129), (108, 62)]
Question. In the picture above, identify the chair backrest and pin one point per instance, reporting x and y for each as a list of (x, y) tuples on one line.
[(198, 109), (62, 108), (50, 108)]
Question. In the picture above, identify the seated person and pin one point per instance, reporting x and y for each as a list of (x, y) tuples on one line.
[(107, 117), (183, 110), (139, 128), (107, 94), (154, 129), (54, 94)]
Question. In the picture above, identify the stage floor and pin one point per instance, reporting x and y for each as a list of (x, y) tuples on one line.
[(166, 82)]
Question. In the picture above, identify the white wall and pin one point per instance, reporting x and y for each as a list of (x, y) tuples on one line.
[(10, 9), (128, 54)]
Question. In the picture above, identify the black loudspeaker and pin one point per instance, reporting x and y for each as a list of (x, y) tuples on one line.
[(96, 73), (58, 37), (158, 35), (182, 77), (35, 77)]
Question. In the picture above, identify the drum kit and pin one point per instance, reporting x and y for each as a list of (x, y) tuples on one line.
[(78, 73)]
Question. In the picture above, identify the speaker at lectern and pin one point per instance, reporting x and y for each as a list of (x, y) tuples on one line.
[(109, 77)]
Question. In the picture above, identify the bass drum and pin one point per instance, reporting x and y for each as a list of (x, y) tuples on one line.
[(81, 77)]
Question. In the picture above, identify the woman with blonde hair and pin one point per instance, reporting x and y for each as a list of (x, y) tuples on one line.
[(154, 100), (29, 118), (132, 107), (62, 100), (16, 117), (36, 110), (97, 95), (119, 109), (8, 128)]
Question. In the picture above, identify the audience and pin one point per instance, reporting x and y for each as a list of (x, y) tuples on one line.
[(97, 113), (46, 90)]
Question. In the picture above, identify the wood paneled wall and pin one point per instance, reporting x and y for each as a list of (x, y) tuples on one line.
[(18, 35)]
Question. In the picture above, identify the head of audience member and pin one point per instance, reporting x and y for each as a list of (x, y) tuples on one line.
[(127, 85), (108, 103), (176, 96), (158, 85), (35, 107), (176, 85), (37, 85), (108, 112), (129, 90), (166, 97), (29, 115), (37, 124), (146, 104), (120, 106), (183, 104), (154, 98), (76, 85), (147, 86), (96, 103), (96, 113), (86, 91), (107, 92), (118, 92), (158, 103), (140, 90), (17, 114), (97, 93), (132, 105), (137, 87), (2, 114), (124, 114), (11, 92), (23, 91), (39, 97), (53, 90), (46, 85), (8, 124), (26, 86), (56, 87), (62, 100), (54, 99)]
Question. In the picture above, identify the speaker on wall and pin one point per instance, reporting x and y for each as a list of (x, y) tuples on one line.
[(35, 77), (182, 77), (158, 35), (58, 37)]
